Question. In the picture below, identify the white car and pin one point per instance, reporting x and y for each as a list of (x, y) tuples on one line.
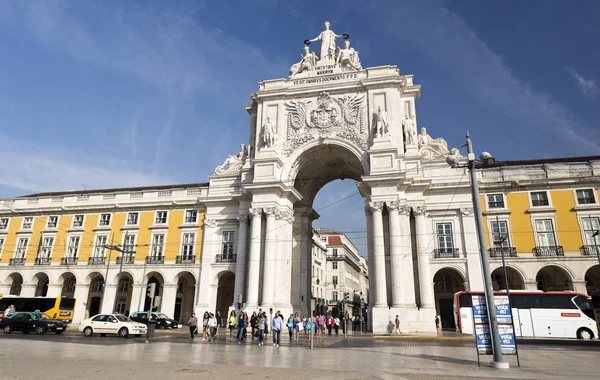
[(112, 324)]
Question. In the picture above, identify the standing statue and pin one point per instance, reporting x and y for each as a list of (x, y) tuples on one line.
[(269, 133), (307, 62), (382, 126), (348, 57), (233, 164), (408, 124), (328, 46)]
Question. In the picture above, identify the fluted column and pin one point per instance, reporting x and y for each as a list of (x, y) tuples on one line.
[(254, 259), (408, 277), (379, 253), (425, 279), (395, 254), (269, 262), (370, 255), (240, 265)]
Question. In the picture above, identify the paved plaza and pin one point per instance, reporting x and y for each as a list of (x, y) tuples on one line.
[(175, 355)]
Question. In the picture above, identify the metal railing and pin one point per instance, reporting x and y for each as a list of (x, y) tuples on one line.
[(43, 260), (446, 253), (221, 258), (96, 260), (555, 250), (503, 251), (155, 260), (590, 250), (68, 261), (127, 259), (185, 259), (17, 261)]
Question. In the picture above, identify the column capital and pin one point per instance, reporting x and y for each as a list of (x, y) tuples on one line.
[(375, 206), (256, 211), (210, 222), (392, 205), (285, 215), (243, 217), (467, 211), (270, 211), (404, 210), (419, 210)]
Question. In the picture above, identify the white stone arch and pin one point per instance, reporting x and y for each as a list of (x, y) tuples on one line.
[(549, 280), (8, 280), (515, 267), (176, 278), (510, 269), (458, 268), (562, 266), (34, 279), (217, 277), (92, 275), (59, 278), (115, 279), (160, 275)]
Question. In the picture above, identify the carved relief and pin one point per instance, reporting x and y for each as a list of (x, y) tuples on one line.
[(466, 211), (270, 211), (393, 205), (256, 211), (233, 164), (376, 206), (325, 117), (419, 210), (404, 210), (431, 148), (210, 222)]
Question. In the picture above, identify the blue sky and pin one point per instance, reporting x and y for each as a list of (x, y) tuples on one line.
[(127, 93)]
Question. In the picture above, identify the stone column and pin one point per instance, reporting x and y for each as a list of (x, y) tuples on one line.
[(425, 279), (209, 247), (270, 257), (53, 290), (167, 300), (284, 262), (408, 278), (396, 254), (240, 265), (108, 299), (379, 253), (28, 290), (254, 259), (136, 296), (81, 298), (370, 256)]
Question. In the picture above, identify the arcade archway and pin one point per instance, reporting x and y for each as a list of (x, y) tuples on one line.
[(592, 279), (225, 292), (41, 289), (553, 278), (16, 284), (447, 281), (515, 280), (155, 278), (184, 301), (68, 284), (95, 293)]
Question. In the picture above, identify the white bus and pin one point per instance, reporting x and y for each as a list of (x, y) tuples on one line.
[(537, 314)]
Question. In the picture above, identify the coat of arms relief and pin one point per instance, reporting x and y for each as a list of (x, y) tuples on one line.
[(324, 117)]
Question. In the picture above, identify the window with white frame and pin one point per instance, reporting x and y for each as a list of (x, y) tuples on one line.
[(585, 196), (78, 221), (100, 246), (334, 296), (105, 219), (591, 226), (73, 247), (21, 250), (539, 198), (495, 201), (334, 265), (132, 218), (1, 244), (3, 223), (129, 244), (47, 245), (545, 233), (500, 236), (52, 221), (445, 238), (335, 252), (161, 217), (27, 223), (187, 245), (191, 216), (228, 241), (158, 243)]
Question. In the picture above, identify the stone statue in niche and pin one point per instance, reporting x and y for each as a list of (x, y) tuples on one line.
[(328, 46), (269, 132), (233, 164), (348, 57), (307, 62), (408, 125), (382, 125)]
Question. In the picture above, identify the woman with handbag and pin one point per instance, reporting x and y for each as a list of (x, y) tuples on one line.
[(193, 324)]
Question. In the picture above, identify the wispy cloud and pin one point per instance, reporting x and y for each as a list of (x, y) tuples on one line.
[(587, 86)]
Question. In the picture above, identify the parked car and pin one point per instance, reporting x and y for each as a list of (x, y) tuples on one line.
[(162, 321), (27, 322), (112, 324)]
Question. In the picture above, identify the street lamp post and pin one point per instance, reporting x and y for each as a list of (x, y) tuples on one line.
[(596, 248), (486, 159)]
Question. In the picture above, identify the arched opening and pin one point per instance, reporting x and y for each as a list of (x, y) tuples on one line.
[(553, 279), (41, 289), (124, 290), (16, 284), (184, 301), (592, 279), (155, 278), (447, 281), (69, 283), (225, 292), (95, 293), (515, 280)]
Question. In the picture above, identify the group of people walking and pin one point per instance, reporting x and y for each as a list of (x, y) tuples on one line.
[(210, 325)]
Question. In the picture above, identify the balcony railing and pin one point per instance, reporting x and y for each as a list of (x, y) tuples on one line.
[(127, 259), (549, 251), (68, 261), (446, 253), (590, 250), (503, 251), (226, 258), (96, 260), (43, 260), (17, 261), (185, 259), (155, 260)]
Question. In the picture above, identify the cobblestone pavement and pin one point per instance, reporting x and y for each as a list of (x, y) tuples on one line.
[(175, 355)]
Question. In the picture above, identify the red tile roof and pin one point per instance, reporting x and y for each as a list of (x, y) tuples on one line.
[(334, 239)]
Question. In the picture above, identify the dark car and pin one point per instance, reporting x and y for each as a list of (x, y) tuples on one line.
[(161, 320), (36, 322)]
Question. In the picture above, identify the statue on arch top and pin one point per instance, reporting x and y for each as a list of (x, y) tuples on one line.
[(307, 62), (328, 46), (348, 57)]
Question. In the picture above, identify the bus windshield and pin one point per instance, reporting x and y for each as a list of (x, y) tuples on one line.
[(585, 305)]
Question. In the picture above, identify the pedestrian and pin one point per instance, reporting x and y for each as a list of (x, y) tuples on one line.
[(205, 319), (261, 326), (309, 326), (247, 320), (438, 326), (7, 312), (232, 323), (219, 323), (193, 324), (212, 327), (254, 323), (276, 326), (304, 324), (397, 325), (353, 324), (336, 325), (290, 326), (241, 325), (329, 324)]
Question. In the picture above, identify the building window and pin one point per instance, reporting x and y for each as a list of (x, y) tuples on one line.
[(324, 238), (539, 198), (47, 245), (3, 223), (121, 304), (444, 285), (1, 245), (78, 221), (545, 233), (129, 244), (97, 285), (500, 234), (495, 201), (132, 218), (21, 248), (161, 217), (191, 216), (335, 252), (334, 280), (73, 248), (52, 222), (228, 242), (99, 247), (334, 296), (445, 239), (124, 285), (334, 265), (105, 219), (591, 226), (27, 223), (187, 245), (585, 197), (158, 242)]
